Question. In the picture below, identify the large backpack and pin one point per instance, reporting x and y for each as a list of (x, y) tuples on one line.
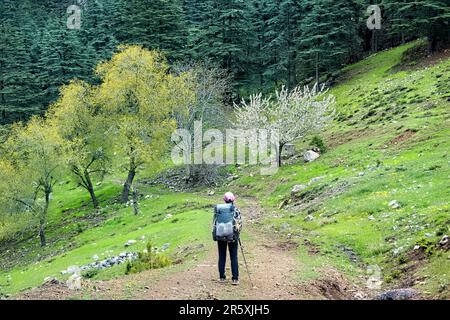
[(224, 223)]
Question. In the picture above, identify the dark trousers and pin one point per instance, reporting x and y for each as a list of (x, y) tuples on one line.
[(233, 248)]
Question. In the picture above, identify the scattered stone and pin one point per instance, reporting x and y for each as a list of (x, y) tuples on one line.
[(361, 174), (297, 188), (165, 246), (309, 218), (168, 216), (288, 150), (211, 193), (444, 243), (397, 294), (310, 156), (95, 257), (316, 179), (130, 242), (283, 204), (233, 177), (147, 197), (371, 218), (394, 204), (51, 281), (285, 226)]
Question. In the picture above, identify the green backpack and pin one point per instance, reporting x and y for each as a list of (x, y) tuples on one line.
[(224, 222)]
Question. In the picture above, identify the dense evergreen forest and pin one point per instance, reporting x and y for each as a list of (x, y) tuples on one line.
[(263, 43)]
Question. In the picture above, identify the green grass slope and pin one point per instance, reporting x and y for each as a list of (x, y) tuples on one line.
[(390, 142), (75, 236)]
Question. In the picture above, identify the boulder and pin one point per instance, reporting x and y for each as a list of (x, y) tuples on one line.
[(316, 179), (130, 242), (298, 188), (309, 218), (444, 243), (397, 294), (288, 150), (394, 204), (51, 281), (310, 156)]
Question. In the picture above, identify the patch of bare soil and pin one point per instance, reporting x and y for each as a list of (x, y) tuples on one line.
[(335, 286), (408, 134), (272, 265)]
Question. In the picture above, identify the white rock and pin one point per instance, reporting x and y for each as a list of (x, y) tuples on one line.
[(309, 218), (310, 156), (95, 257), (394, 204), (168, 216), (130, 242), (297, 188)]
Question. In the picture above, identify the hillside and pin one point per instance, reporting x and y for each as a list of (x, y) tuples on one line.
[(378, 197)]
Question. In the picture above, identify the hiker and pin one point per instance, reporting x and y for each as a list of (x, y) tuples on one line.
[(227, 225)]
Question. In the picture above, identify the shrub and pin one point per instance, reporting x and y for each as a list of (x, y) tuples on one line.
[(317, 142), (147, 260), (88, 274)]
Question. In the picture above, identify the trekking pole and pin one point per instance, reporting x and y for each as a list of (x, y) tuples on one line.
[(245, 261)]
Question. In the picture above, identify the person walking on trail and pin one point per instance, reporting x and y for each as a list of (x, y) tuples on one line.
[(227, 225)]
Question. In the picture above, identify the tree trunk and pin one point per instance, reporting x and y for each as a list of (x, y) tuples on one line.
[(90, 189), (135, 201), (432, 43), (280, 150), (128, 183), (317, 71), (43, 218)]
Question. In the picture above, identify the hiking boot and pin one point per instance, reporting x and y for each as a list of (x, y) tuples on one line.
[(235, 282), (222, 280)]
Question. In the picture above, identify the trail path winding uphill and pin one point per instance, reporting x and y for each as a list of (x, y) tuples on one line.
[(273, 266)]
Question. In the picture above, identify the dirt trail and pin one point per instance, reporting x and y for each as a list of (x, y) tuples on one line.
[(273, 267)]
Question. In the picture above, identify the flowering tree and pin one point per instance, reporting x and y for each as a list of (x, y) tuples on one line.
[(292, 114)]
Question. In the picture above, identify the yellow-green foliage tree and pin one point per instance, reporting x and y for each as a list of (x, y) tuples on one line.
[(84, 133), (140, 95), (31, 158)]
